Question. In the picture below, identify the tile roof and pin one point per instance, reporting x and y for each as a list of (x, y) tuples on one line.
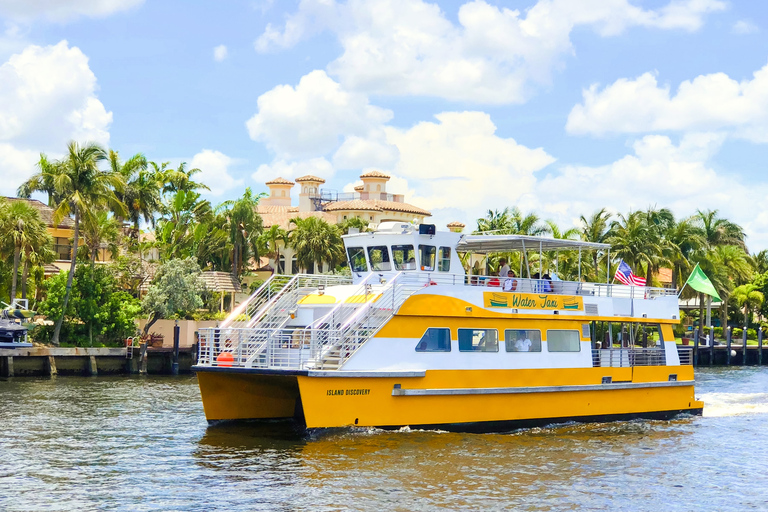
[(456, 224), (375, 205), (374, 174), (309, 177), (359, 188), (46, 212), (220, 281), (265, 209), (280, 181)]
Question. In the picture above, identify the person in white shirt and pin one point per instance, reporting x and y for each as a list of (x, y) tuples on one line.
[(510, 284), (523, 343), (504, 272)]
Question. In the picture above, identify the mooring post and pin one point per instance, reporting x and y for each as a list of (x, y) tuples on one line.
[(760, 346), (51, 366), (8, 366), (695, 343), (92, 368), (143, 358), (728, 345), (695, 351), (712, 349), (744, 341), (175, 363)]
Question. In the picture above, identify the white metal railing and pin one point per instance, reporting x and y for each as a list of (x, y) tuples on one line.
[(521, 285), (626, 357), (685, 354)]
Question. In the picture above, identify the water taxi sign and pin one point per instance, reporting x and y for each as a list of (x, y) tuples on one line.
[(533, 301)]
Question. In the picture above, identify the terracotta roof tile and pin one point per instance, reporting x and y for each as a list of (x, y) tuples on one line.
[(264, 209), (374, 174), (280, 181), (309, 177), (375, 205), (46, 212), (456, 224), (283, 219)]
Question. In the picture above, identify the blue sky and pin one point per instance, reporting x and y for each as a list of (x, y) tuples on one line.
[(557, 106)]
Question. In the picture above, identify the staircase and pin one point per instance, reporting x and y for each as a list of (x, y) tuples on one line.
[(265, 341)]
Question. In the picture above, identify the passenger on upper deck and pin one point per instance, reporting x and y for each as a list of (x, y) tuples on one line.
[(546, 283), (510, 284), (504, 270)]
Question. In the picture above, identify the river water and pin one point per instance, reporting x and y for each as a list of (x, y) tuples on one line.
[(142, 443)]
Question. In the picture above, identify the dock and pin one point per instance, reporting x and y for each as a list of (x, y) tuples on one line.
[(49, 361)]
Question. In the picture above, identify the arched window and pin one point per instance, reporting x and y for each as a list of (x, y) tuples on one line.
[(378, 188), (281, 265), (294, 265)]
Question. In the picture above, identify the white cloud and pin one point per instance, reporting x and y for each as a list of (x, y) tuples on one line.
[(215, 171), (493, 55), (709, 102), (311, 119), (47, 98), (743, 27), (220, 53), (358, 152), (63, 11), (17, 165), (460, 163), (291, 170), (659, 173)]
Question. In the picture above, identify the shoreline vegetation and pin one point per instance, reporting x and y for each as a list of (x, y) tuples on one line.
[(106, 201)]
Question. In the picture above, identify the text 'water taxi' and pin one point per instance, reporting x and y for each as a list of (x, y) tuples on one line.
[(411, 339)]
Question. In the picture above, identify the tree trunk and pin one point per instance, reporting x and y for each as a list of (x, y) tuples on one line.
[(57, 329), (150, 321), (14, 276), (24, 277), (649, 275), (701, 314)]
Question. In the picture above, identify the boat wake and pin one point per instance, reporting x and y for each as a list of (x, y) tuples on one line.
[(718, 405)]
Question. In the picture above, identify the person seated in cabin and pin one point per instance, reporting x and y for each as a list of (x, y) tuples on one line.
[(523, 343), (510, 284), (411, 265), (546, 283), (503, 268)]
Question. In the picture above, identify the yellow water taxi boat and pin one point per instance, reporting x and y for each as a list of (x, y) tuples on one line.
[(411, 340)]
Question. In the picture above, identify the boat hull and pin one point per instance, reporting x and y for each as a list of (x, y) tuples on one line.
[(458, 400)]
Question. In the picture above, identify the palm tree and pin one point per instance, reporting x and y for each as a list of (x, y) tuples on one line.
[(494, 221), (101, 231), (42, 181), (179, 179), (82, 189), (760, 261), (23, 230), (354, 222), (243, 225), (595, 229), (684, 239), (749, 297), (634, 241), (34, 259), (529, 224), (141, 194), (726, 266), (718, 231), (270, 241), (315, 241)]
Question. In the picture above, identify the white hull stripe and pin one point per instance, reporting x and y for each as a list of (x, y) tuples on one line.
[(539, 389)]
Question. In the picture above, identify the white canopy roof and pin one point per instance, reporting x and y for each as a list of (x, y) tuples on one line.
[(484, 244)]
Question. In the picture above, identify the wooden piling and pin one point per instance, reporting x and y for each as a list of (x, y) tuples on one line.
[(760, 347), (92, 368), (695, 351), (744, 341), (143, 358), (51, 366), (8, 366), (728, 347)]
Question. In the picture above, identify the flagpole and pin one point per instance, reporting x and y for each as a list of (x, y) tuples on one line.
[(614, 274)]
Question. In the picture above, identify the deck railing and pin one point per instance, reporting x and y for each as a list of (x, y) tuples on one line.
[(626, 357)]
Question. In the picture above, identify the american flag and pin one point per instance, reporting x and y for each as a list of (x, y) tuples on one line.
[(625, 275)]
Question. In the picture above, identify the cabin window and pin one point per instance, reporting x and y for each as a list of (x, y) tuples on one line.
[(444, 259), (521, 340), (427, 257), (357, 259), (563, 341), (379, 258), (436, 339), (478, 340), (404, 257)]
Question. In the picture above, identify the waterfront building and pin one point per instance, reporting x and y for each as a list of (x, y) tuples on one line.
[(369, 201)]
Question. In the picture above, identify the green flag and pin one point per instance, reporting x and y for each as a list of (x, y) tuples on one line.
[(699, 281)]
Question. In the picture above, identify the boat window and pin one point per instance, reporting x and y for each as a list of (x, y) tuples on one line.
[(521, 340), (444, 259), (357, 259), (563, 341), (478, 340), (379, 258), (436, 339), (647, 335), (404, 257), (427, 257)]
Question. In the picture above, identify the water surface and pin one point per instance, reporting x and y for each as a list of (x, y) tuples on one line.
[(142, 443)]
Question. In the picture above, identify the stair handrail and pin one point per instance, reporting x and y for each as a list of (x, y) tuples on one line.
[(244, 305), (324, 319), (278, 295)]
